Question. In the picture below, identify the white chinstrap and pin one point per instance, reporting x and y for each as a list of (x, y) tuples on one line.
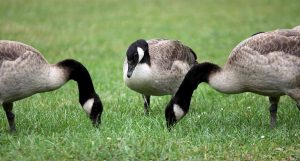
[(179, 113), (141, 53), (87, 106)]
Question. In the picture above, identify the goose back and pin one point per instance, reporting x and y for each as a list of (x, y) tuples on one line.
[(11, 50), (164, 52)]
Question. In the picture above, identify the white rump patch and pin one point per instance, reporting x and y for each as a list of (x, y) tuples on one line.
[(141, 53), (178, 111), (88, 105)]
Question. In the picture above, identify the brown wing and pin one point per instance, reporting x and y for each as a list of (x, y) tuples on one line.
[(284, 41), (11, 50), (165, 52), (287, 41)]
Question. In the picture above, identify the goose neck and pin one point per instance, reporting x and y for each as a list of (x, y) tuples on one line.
[(80, 74), (196, 75)]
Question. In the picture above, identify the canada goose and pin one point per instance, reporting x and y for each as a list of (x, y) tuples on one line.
[(156, 67), (24, 72), (267, 64)]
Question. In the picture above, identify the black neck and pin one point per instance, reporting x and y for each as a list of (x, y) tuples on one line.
[(196, 75), (146, 58), (80, 74)]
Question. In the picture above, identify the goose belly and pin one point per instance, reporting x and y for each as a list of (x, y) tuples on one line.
[(272, 75), (270, 84), (151, 81), (17, 87), (15, 93), (23, 81), (265, 87)]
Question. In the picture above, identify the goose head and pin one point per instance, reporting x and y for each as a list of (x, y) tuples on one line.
[(174, 112), (137, 53), (94, 108)]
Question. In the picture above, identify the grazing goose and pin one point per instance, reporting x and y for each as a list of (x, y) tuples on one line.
[(156, 67), (24, 72), (267, 64)]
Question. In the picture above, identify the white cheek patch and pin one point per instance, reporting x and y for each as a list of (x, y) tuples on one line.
[(88, 105), (141, 53), (178, 111)]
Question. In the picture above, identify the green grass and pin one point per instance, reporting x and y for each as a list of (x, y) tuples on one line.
[(52, 126)]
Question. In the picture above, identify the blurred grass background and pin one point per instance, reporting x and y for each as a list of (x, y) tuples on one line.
[(52, 126)]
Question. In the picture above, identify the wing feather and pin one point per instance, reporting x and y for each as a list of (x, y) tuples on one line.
[(166, 52), (12, 50), (285, 41)]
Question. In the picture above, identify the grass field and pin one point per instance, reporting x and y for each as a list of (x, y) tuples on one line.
[(52, 126)]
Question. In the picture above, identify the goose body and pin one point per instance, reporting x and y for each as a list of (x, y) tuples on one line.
[(267, 64), (24, 72), (156, 67)]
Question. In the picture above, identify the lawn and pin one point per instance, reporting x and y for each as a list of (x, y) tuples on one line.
[(53, 126)]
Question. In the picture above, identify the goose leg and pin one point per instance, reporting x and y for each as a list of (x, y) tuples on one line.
[(146, 104), (273, 110), (10, 116)]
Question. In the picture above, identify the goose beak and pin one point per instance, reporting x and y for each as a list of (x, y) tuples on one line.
[(130, 70), (96, 119), (170, 116), (129, 74), (96, 110), (96, 122)]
